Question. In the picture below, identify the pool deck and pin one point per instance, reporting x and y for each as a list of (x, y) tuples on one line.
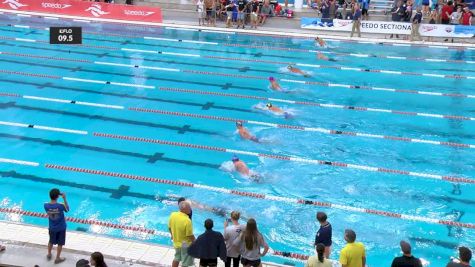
[(23, 239)]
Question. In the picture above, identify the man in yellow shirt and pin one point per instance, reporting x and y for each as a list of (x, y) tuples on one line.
[(181, 230), (353, 254)]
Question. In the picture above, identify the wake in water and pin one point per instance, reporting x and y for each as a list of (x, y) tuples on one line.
[(286, 113)]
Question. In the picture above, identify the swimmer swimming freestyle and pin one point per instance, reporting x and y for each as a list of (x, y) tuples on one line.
[(298, 71), (320, 42)]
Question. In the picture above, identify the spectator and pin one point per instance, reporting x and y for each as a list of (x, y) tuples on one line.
[(241, 19), (319, 260), (395, 11), (353, 254), (402, 11), (434, 17), (208, 246), (2, 248), (254, 13), (447, 10), (467, 17), (210, 6), (181, 230), (356, 21), (456, 16), (181, 199), (325, 9), (97, 260), (364, 8), (408, 14), (425, 4), (200, 8), (250, 241), (82, 263), (333, 9), (229, 12), (266, 11), (416, 23), (406, 260), (129, 2), (324, 233), (57, 223), (231, 233), (465, 255)]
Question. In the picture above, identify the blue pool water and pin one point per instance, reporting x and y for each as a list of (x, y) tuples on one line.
[(288, 227)]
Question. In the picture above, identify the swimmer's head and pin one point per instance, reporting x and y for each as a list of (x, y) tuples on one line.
[(239, 124), (271, 79), (269, 105), (289, 67), (234, 158)]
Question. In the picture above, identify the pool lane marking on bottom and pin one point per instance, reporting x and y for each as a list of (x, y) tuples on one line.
[(261, 196), (362, 87), (41, 127), (19, 162), (302, 128), (288, 158), (322, 105), (408, 113), (284, 126)]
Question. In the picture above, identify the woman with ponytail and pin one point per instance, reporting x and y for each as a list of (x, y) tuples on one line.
[(318, 260)]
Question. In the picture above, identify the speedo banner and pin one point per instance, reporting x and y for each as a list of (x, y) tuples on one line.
[(86, 9)]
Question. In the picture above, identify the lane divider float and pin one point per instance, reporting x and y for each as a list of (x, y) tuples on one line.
[(289, 158), (288, 200), (19, 162), (301, 128)]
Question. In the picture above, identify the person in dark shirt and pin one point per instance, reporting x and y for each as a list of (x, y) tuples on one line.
[(416, 23), (57, 223), (208, 246), (395, 14), (324, 233), (465, 255), (254, 13), (241, 19), (406, 260)]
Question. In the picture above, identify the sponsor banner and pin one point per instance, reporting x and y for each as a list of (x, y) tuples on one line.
[(86, 9), (389, 27)]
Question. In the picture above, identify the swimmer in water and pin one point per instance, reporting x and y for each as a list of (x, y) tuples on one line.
[(320, 41), (244, 132), (323, 57), (276, 110), (274, 85), (298, 71), (242, 168)]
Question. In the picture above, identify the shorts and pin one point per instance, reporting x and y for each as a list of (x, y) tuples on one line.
[(240, 16), (181, 255), (246, 262), (364, 11), (253, 16), (210, 12), (229, 14), (201, 14), (208, 262), (57, 238)]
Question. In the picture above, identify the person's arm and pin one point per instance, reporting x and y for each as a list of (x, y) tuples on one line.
[(364, 261), (66, 205), (189, 231), (266, 248)]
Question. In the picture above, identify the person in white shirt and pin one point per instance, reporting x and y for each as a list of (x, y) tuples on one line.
[(232, 230), (200, 8)]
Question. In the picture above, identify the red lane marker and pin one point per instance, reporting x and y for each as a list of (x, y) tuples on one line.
[(45, 57), (459, 224), (383, 213), (454, 144), (274, 156), (173, 113), (248, 194), (211, 93), (393, 171), (30, 74), (10, 94), (456, 117), (458, 179), (157, 141)]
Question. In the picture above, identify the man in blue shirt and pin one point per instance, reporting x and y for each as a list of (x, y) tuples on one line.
[(324, 234), (356, 21), (57, 223)]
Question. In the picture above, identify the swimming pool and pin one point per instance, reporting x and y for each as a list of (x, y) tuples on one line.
[(381, 132)]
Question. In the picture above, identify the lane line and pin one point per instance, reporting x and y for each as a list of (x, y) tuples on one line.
[(281, 199), (288, 158), (19, 162), (41, 127)]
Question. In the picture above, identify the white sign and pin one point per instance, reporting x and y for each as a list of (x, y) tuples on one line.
[(385, 27)]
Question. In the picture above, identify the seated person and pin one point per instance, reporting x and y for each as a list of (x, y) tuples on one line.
[(266, 11)]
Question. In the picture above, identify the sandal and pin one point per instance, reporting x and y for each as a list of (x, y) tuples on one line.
[(48, 257), (59, 260)]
